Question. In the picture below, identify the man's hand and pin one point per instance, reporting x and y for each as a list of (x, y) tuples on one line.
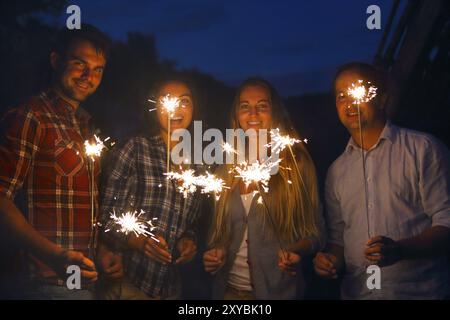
[(325, 265), (157, 251), (187, 249), (288, 261), (69, 257), (110, 263), (382, 251), (214, 259)]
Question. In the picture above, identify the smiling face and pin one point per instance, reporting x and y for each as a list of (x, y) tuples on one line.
[(254, 109), (181, 117), (371, 113), (79, 72)]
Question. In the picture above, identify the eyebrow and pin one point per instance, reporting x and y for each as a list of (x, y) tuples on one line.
[(185, 95), (246, 101), (72, 57)]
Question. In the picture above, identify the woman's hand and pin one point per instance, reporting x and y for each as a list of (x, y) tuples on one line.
[(288, 261), (214, 259)]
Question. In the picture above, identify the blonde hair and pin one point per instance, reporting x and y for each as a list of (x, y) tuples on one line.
[(292, 205)]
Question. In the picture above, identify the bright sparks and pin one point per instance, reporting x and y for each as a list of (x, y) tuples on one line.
[(227, 148), (190, 183), (256, 172), (94, 150), (170, 104), (361, 92), (131, 222), (279, 142)]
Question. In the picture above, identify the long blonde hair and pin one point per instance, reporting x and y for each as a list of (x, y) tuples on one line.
[(292, 205)]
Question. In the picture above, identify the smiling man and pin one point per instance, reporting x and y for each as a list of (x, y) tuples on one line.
[(403, 225), (42, 157)]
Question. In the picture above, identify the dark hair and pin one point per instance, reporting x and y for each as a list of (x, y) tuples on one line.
[(369, 72), (88, 32)]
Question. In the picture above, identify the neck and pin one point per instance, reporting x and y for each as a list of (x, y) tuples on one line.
[(163, 135), (73, 103), (370, 135)]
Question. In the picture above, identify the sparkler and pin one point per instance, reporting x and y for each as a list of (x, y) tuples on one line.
[(227, 148), (256, 172), (280, 142), (362, 92), (131, 222), (208, 183), (93, 150)]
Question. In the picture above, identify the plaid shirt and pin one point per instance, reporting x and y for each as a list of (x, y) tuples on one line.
[(136, 181), (41, 154)]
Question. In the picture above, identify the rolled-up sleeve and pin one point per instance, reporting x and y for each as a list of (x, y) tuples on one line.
[(434, 182), (19, 142), (335, 223)]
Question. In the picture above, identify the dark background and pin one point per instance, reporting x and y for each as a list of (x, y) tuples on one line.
[(297, 45)]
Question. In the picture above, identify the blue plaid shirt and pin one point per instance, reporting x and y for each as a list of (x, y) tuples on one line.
[(136, 181)]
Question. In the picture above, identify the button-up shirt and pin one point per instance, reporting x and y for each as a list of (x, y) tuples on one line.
[(407, 184), (136, 182), (42, 154)]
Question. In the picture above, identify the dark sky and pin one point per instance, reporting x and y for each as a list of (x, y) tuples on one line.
[(296, 44)]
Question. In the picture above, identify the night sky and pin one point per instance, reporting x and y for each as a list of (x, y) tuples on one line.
[(295, 44)]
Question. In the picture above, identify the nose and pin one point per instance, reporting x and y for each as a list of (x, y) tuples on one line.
[(87, 74), (253, 110)]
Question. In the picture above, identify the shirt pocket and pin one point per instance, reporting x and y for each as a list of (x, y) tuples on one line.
[(68, 159)]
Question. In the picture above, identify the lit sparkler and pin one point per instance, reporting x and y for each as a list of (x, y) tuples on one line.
[(227, 148), (362, 92), (93, 150), (131, 222), (190, 183), (256, 172)]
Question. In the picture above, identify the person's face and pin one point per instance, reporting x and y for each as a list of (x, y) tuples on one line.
[(181, 117), (80, 71), (254, 110), (346, 108)]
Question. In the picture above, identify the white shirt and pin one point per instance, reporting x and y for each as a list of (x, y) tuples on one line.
[(239, 276)]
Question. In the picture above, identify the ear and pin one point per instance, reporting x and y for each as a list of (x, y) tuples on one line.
[(54, 60)]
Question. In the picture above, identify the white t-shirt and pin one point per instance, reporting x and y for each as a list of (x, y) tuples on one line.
[(239, 276)]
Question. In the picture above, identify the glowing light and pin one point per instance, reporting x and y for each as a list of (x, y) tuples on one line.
[(256, 172), (362, 92), (94, 150), (131, 222)]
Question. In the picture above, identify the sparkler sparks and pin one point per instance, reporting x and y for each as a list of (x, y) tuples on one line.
[(131, 222), (362, 92), (94, 150), (208, 183), (256, 172), (226, 147), (279, 142), (170, 104)]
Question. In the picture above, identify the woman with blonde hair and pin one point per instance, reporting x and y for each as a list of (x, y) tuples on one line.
[(255, 247)]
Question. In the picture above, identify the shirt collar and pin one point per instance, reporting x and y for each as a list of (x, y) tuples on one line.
[(388, 134), (62, 105)]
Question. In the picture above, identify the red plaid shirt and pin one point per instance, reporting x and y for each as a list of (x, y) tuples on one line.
[(42, 154)]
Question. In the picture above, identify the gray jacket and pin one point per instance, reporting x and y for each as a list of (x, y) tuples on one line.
[(268, 280)]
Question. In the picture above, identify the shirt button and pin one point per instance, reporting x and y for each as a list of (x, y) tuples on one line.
[(369, 179), (370, 205)]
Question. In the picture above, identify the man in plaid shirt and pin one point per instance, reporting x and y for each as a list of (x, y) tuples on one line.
[(42, 156)]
